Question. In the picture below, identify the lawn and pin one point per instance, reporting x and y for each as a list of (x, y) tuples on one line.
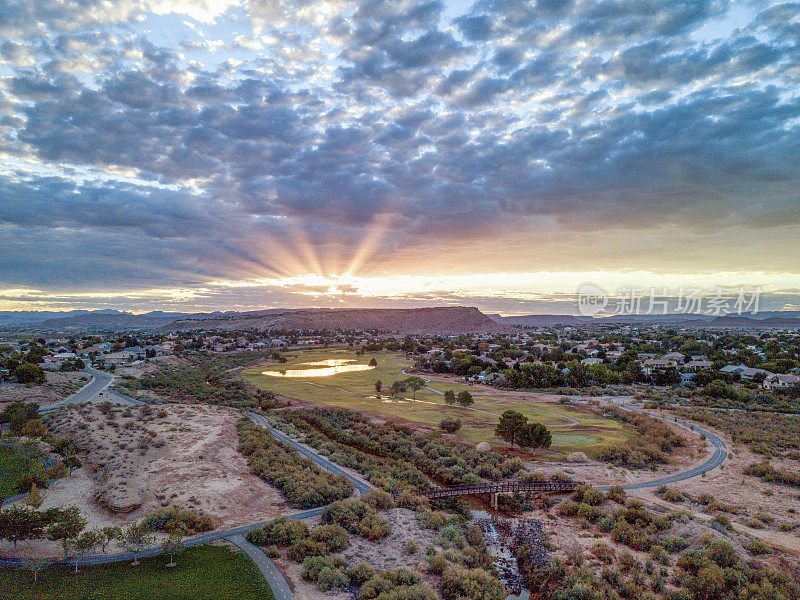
[(12, 465), (203, 573), (356, 390)]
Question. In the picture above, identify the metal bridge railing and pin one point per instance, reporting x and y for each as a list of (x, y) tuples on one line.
[(506, 486)]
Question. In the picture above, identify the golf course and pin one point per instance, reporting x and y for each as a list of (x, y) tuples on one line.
[(340, 378)]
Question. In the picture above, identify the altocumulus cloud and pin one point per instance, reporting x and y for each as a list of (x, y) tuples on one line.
[(156, 145)]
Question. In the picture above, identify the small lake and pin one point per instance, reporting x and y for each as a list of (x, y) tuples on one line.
[(321, 368)]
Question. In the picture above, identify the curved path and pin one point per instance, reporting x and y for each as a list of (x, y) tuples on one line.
[(712, 462), (275, 579), (361, 486), (99, 382)]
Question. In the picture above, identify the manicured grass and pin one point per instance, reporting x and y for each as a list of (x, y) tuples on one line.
[(356, 390), (203, 573), (12, 465)]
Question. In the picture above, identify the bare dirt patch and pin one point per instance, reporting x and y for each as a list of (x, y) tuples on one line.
[(57, 387), (144, 458)]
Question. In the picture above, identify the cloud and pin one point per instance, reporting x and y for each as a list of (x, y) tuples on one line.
[(520, 134)]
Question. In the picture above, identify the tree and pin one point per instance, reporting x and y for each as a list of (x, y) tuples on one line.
[(84, 544), (511, 426), (17, 414), (415, 383), (106, 535), (450, 397), (397, 387), (29, 373), (373, 362), (450, 425), (35, 564), (534, 435), (18, 524), (34, 496), (464, 398), (174, 542), (378, 387), (67, 526), (136, 538)]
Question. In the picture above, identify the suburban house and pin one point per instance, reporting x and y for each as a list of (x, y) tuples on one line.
[(777, 380)]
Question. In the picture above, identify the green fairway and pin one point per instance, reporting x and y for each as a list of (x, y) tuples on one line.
[(356, 390), (203, 573)]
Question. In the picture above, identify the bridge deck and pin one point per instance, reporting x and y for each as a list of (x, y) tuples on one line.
[(507, 486)]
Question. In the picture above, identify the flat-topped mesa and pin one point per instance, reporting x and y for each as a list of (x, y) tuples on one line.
[(440, 319)]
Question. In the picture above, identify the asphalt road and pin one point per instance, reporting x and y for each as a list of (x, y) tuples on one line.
[(100, 380)]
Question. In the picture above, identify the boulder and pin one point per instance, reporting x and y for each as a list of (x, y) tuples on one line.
[(483, 447)]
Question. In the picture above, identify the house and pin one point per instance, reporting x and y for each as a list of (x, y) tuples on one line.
[(592, 361), (733, 369), (777, 380), (676, 356), (50, 363), (749, 374), (655, 364), (698, 365)]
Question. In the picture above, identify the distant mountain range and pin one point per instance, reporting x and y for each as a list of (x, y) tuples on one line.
[(763, 319), (446, 319)]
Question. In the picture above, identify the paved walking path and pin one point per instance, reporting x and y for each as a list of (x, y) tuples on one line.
[(720, 453), (361, 485), (275, 579)]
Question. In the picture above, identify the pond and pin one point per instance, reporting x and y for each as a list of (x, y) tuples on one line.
[(321, 368)]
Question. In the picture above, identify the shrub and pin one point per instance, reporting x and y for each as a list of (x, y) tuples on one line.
[(672, 495), (303, 483), (475, 584), (379, 499), (673, 543), (604, 553), (357, 517), (757, 547), (450, 425), (768, 473), (437, 564), (332, 579), (280, 532), (360, 572), (722, 521), (168, 519)]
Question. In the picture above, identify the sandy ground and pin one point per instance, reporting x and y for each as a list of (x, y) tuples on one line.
[(57, 387)]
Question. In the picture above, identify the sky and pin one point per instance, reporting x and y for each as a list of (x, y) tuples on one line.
[(197, 155)]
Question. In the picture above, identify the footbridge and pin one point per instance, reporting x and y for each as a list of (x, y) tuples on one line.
[(505, 487)]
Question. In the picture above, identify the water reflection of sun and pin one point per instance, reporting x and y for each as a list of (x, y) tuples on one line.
[(320, 368)]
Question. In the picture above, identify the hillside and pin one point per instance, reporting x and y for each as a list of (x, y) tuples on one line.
[(443, 319)]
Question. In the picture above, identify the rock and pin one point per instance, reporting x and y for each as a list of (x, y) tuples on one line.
[(483, 447)]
